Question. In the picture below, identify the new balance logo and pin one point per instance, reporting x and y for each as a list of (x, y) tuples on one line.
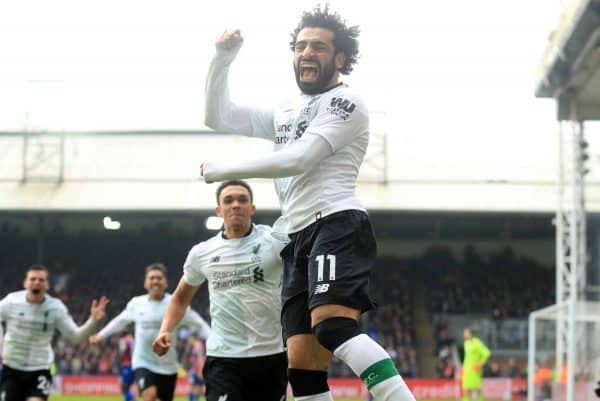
[(141, 383), (223, 397), (321, 288), (259, 274), (215, 259), (256, 249)]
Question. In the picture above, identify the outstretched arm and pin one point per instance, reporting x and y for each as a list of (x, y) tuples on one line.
[(220, 113), (295, 159), (180, 300), (67, 326), (116, 325)]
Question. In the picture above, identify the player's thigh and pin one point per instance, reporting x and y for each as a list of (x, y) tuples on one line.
[(223, 379), (165, 387), (305, 352), (266, 378), (146, 382), (295, 267), (38, 385), (11, 385), (340, 261), (295, 317)]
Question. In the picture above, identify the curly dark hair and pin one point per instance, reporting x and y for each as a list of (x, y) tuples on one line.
[(345, 38)]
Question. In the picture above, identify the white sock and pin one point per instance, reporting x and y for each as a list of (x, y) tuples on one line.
[(315, 397), (369, 361)]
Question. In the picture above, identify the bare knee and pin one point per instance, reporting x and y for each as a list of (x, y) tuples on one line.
[(149, 394), (305, 352)]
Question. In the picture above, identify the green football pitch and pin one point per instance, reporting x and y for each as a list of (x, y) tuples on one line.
[(118, 398)]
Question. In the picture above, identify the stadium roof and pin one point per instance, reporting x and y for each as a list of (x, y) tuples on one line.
[(571, 63)]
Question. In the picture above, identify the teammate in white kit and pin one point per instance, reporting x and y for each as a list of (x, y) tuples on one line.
[(245, 356), (320, 143), (155, 377), (31, 317)]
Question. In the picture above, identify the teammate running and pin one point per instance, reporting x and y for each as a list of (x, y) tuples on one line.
[(155, 377), (320, 143), (245, 356), (31, 317)]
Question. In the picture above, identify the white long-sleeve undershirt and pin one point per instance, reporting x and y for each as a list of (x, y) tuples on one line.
[(220, 113), (295, 159)]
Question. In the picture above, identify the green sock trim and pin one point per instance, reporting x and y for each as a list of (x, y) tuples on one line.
[(378, 372)]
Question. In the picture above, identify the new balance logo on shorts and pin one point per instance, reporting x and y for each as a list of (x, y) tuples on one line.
[(321, 288), (223, 397)]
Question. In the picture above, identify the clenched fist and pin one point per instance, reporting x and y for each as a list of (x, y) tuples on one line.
[(161, 343), (231, 39)]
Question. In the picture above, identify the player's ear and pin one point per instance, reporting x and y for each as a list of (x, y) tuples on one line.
[(218, 211), (340, 59), (252, 210)]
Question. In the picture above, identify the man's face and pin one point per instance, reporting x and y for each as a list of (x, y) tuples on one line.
[(155, 283), (235, 207), (467, 334), (36, 282), (316, 63)]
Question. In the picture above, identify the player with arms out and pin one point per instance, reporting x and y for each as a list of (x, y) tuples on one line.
[(31, 317), (245, 356), (320, 143), (476, 355), (126, 343), (155, 377)]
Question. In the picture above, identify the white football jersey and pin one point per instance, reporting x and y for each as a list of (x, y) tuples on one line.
[(147, 314), (342, 119), (30, 327), (244, 283)]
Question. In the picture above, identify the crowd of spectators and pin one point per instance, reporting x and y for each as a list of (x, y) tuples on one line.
[(90, 264), (500, 284)]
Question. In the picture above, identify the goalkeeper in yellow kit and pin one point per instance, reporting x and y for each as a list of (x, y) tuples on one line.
[(476, 355)]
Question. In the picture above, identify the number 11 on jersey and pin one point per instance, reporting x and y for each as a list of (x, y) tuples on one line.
[(321, 266)]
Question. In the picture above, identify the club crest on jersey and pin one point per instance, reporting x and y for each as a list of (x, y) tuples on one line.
[(259, 274), (341, 107)]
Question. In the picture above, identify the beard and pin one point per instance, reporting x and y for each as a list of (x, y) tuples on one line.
[(325, 73)]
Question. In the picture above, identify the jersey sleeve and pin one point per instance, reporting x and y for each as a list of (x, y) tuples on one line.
[(340, 121), (192, 268), (220, 113), (67, 326), (195, 321), (120, 321)]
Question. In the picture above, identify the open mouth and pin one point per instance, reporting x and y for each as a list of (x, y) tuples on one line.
[(309, 72)]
